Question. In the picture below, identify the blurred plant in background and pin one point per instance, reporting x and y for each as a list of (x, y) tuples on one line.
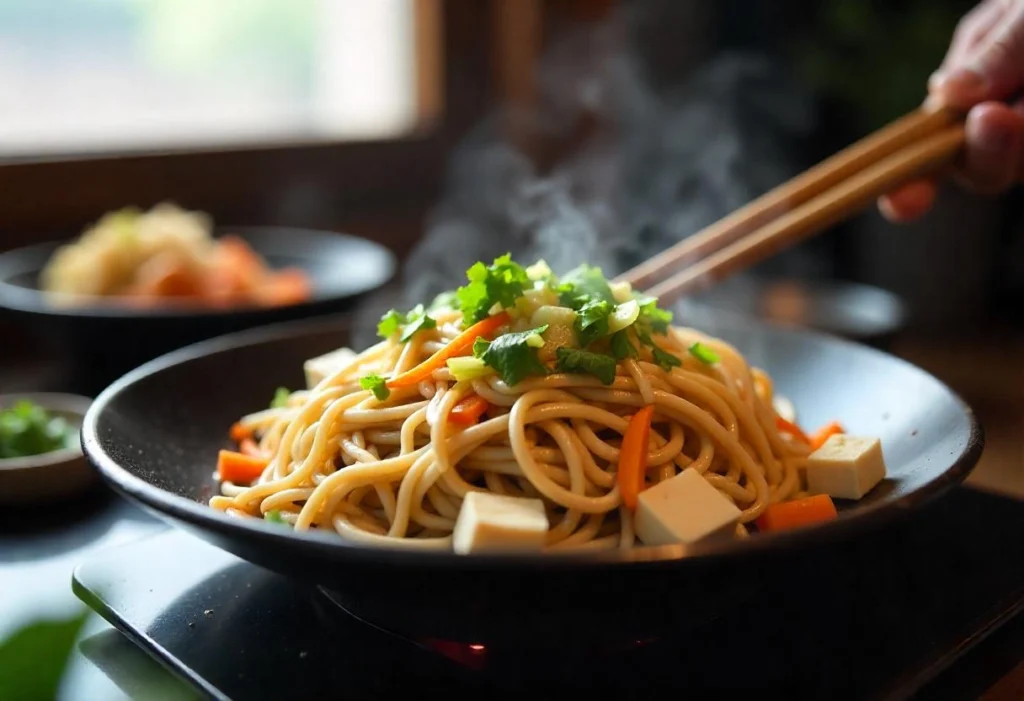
[(33, 659), (873, 57)]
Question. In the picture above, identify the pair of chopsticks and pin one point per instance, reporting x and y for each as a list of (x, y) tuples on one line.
[(919, 143)]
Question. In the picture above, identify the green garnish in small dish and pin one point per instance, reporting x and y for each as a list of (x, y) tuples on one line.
[(27, 429)]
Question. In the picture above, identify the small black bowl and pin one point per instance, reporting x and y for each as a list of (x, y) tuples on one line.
[(154, 436), (104, 340)]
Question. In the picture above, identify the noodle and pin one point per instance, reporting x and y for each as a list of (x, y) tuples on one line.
[(395, 471)]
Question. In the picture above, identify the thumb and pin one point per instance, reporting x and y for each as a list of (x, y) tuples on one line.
[(994, 70)]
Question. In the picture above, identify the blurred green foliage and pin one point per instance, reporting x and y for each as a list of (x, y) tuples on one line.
[(874, 57), (33, 659)]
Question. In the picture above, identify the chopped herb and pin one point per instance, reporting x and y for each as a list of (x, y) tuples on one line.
[(582, 285), (280, 399), (376, 384), (665, 360), (584, 362), (592, 321), (502, 283), (622, 347), (704, 354), (390, 323), (29, 429), (274, 516), (653, 317), (416, 320), (513, 355)]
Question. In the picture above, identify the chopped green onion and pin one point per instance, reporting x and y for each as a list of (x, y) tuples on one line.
[(704, 354), (467, 368), (280, 399), (376, 384)]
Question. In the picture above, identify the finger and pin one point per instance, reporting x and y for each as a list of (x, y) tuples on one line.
[(909, 202), (994, 137), (1018, 108), (971, 31)]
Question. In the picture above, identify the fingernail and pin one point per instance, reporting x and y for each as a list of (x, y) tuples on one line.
[(960, 85)]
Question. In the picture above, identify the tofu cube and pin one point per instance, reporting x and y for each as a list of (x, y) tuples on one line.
[(320, 367), (846, 467), (499, 523), (684, 509)]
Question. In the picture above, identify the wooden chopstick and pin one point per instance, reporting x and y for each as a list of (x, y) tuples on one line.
[(916, 143)]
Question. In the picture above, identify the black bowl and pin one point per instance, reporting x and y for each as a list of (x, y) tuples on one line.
[(105, 339), (154, 435)]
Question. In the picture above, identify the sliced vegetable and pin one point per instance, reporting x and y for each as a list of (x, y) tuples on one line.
[(539, 271), (513, 355), (280, 399), (468, 368), (633, 456), (795, 514), (239, 433), (624, 316), (500, 283), (469, 410), (792, 429), (824, 433), (240, 468), (552, 315), (584, 362), (703, 353), (460, 345), (376, 384)]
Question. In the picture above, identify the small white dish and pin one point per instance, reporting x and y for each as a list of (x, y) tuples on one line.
[(58, 474)]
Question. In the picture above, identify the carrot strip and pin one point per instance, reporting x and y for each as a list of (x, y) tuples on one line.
[(795, 514), (633, 456), (459, 345), (236, 467), (239, 432), (247, 446), (792, 429), (469, 410), (824, 433)]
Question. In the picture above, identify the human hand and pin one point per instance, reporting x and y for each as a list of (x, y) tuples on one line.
[(983, 67)]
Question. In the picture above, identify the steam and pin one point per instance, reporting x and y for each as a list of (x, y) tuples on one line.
[(637, 170)]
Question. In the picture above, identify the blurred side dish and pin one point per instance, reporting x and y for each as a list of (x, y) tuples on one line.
[(167, 255)]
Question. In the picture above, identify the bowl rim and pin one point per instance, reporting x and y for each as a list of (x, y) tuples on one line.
[(63, 402), (34, 301), (182, 510)]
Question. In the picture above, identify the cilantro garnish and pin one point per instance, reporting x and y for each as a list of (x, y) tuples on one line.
[(621, 346), (651, 316), (704, 354), (592, 321), (501, 283), (416, 320), (513, 355), (376, 384), (280, 399), (584, 284), (665, 360), (584, 362)]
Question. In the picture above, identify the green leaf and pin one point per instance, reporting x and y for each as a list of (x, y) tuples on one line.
[(280, 399), (390, 323), (376, 384), (622, 347), (665, 360), (653, 317), (582, 285), (592, 321), (502, 283), (417, 320), (704, 354), (512, 355), (34, 658), (584, 362)]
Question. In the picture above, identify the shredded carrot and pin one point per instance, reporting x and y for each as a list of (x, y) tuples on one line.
[(239, 468), (469, 410), (460, 345), (633, 456), (791, 428), (794, 514), (239, 432), (247, 446), (824, 433)]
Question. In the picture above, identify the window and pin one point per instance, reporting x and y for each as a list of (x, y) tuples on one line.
[(100, 76)]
